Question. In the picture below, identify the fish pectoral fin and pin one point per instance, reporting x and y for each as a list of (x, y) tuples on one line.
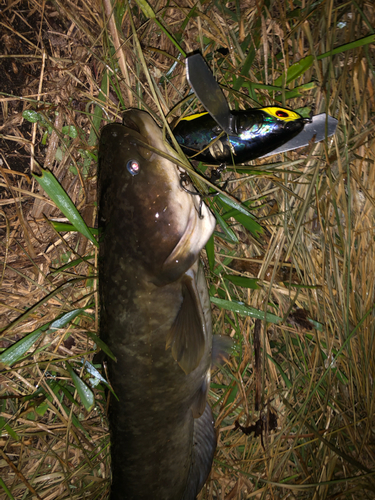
[(221, 347), (204, 446), (186, 337), (200, 398)]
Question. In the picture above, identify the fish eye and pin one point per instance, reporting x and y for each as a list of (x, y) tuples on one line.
[(133, 167), (282, 114)]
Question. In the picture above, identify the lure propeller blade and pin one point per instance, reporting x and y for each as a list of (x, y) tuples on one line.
[(316, 130), (208, 91)]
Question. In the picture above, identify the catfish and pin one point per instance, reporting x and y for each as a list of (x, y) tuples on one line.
[(155, 315)]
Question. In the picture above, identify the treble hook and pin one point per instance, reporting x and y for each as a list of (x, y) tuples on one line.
[(215, 176), (185, 178), (216, 172)]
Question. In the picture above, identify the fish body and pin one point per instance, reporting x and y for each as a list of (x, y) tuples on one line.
[(155, 316), (257, 132)]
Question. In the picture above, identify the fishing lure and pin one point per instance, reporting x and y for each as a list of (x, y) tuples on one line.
[(254, 133), (222, 136)]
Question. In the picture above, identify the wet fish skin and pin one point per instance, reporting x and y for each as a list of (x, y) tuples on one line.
[(152, 288)]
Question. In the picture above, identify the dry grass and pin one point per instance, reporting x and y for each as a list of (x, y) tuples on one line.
[(65, 60)]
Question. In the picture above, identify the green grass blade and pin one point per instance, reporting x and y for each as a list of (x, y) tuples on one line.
[(98, 112), (244, 310), (284, 376), (150, 14), (210, 250), (295, 70), (348, 46), (85, 394), (103, 346), (299, 68), (97, 377), (229, 233), (65, 319), (65, 227), (241, 214), (17, 350), (57, 194), (242, 281), (226, 201), (8, 493)]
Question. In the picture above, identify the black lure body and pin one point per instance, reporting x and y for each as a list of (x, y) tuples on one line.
[(256, 132)]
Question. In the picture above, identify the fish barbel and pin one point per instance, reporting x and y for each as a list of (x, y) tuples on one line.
[(155, 316)]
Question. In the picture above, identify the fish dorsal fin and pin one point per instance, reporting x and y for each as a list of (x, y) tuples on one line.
[(186, 337)]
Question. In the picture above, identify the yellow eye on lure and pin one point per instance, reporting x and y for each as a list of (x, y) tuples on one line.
[(256, 132), (282, 114)]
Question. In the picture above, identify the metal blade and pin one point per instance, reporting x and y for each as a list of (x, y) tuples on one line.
[(208, 91), (316, 129)]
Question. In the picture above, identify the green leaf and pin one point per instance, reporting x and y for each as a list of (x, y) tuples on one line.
[(94, 372), (32, 309), (65, 319), (210, 250), (305, 111), (232, 396), (97, 377), (348, 46), (242, 215), (146, 8), (247, 222), (65, 227), (85, 394), (7, 492), (295, 70), (297, 91), (230, 202), (31, 116), (71, 264), (17, 350), (52, 187), (242, 281), (12, 433), (103, 346), (41, 409), (246, 65), (244, 310), (148, 12), (70, 130), (229, 233), (288, 383)]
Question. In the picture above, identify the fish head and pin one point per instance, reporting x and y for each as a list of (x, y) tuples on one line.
[(142, 196)]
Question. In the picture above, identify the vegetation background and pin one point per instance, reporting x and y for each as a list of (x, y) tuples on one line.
[(294, 406)]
